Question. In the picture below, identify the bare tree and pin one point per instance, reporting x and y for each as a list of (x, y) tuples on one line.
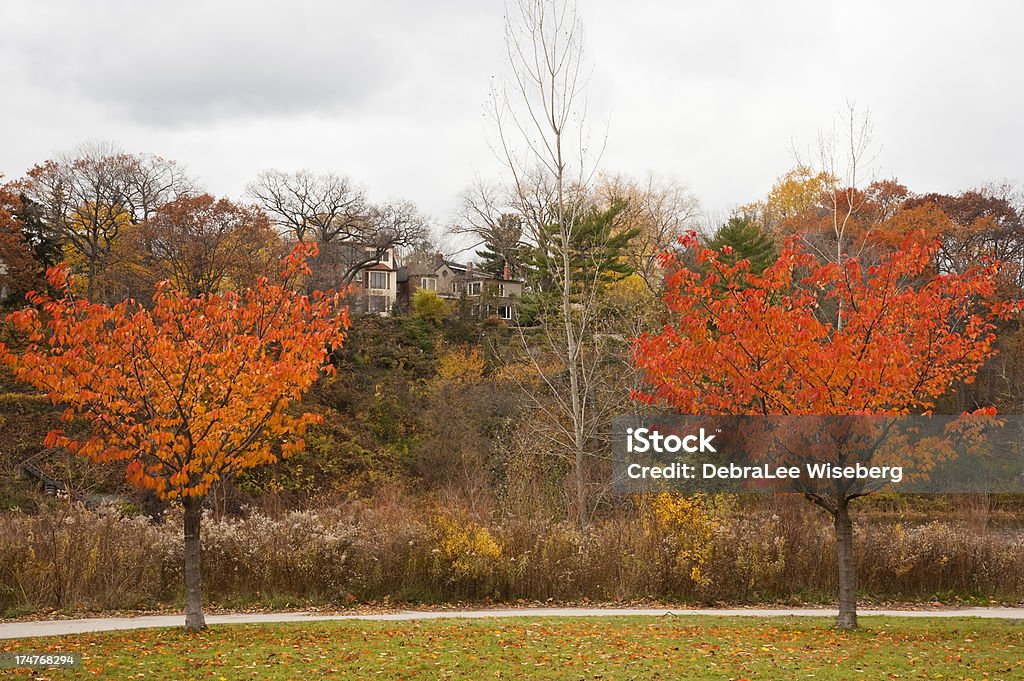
[(332, 211), (323, 207), (91, 196), (661, 210), (493, 221), (538, 111), (481, 206), (844, 158)]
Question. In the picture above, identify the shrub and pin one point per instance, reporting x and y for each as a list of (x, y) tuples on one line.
[(685, 529), (429, 306), (464, 548)]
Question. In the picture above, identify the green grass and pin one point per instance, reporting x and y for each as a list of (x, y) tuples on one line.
[(582, 648)]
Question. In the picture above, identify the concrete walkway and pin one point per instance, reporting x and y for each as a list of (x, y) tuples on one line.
[(10, 630)]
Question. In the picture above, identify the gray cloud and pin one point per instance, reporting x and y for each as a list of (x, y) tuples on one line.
[(190, 62), (392, 93)]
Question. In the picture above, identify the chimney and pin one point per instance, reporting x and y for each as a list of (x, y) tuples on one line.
[(469, 269), (438, 259), (506, 273)]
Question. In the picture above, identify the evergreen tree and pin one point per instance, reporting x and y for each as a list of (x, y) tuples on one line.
[(596, 252), (503, 247), (747, 241), (42, 239), (597, 259)]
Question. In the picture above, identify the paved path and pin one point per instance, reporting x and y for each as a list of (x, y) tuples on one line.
[(58, 627)]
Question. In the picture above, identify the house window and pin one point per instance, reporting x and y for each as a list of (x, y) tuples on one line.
[(473, 288), (377, 304), (505, 312), (501, 290), (385, 257), (379, 280), (455, 287), (428, 283)]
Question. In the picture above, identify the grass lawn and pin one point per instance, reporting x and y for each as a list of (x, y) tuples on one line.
[(584, 648)]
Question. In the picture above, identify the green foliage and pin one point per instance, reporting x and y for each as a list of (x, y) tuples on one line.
[(596, 251), (503, 247), (597, 260), (46, 247), (461, 330), (378, 346), (417, 334), (746, 241), (430, 307)]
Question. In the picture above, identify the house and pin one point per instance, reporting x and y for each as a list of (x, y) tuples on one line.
[(376, 283), (370, 273), (376, 287), (485, 294)]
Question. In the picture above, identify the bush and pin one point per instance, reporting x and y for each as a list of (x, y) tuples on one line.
[(430, 307), (684, 529)]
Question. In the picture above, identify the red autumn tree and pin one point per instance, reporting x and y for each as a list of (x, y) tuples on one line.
[(808, 337), (189, 392), (19, 272), (205, 245)]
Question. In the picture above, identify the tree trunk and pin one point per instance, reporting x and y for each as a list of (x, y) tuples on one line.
[(572, 341), (845, 567), (582, 503), (193, 585), (90, 285)]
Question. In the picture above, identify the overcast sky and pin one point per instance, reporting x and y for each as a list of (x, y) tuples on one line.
[(393, 93)]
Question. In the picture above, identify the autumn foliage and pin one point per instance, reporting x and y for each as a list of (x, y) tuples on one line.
[(205, 245), (190, 391), (813, 337), (819, 338)]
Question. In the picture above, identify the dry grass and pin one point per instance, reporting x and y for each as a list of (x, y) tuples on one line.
[(73, 559)]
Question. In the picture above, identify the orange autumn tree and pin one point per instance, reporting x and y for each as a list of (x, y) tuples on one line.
[(808, 337), (188, 392)]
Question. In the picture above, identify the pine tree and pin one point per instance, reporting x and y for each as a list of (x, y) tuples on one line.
[(597, 250), (746, 241), (504, 247)]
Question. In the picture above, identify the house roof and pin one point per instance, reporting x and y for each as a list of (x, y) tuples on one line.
[(421, 269), (483, 275)]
